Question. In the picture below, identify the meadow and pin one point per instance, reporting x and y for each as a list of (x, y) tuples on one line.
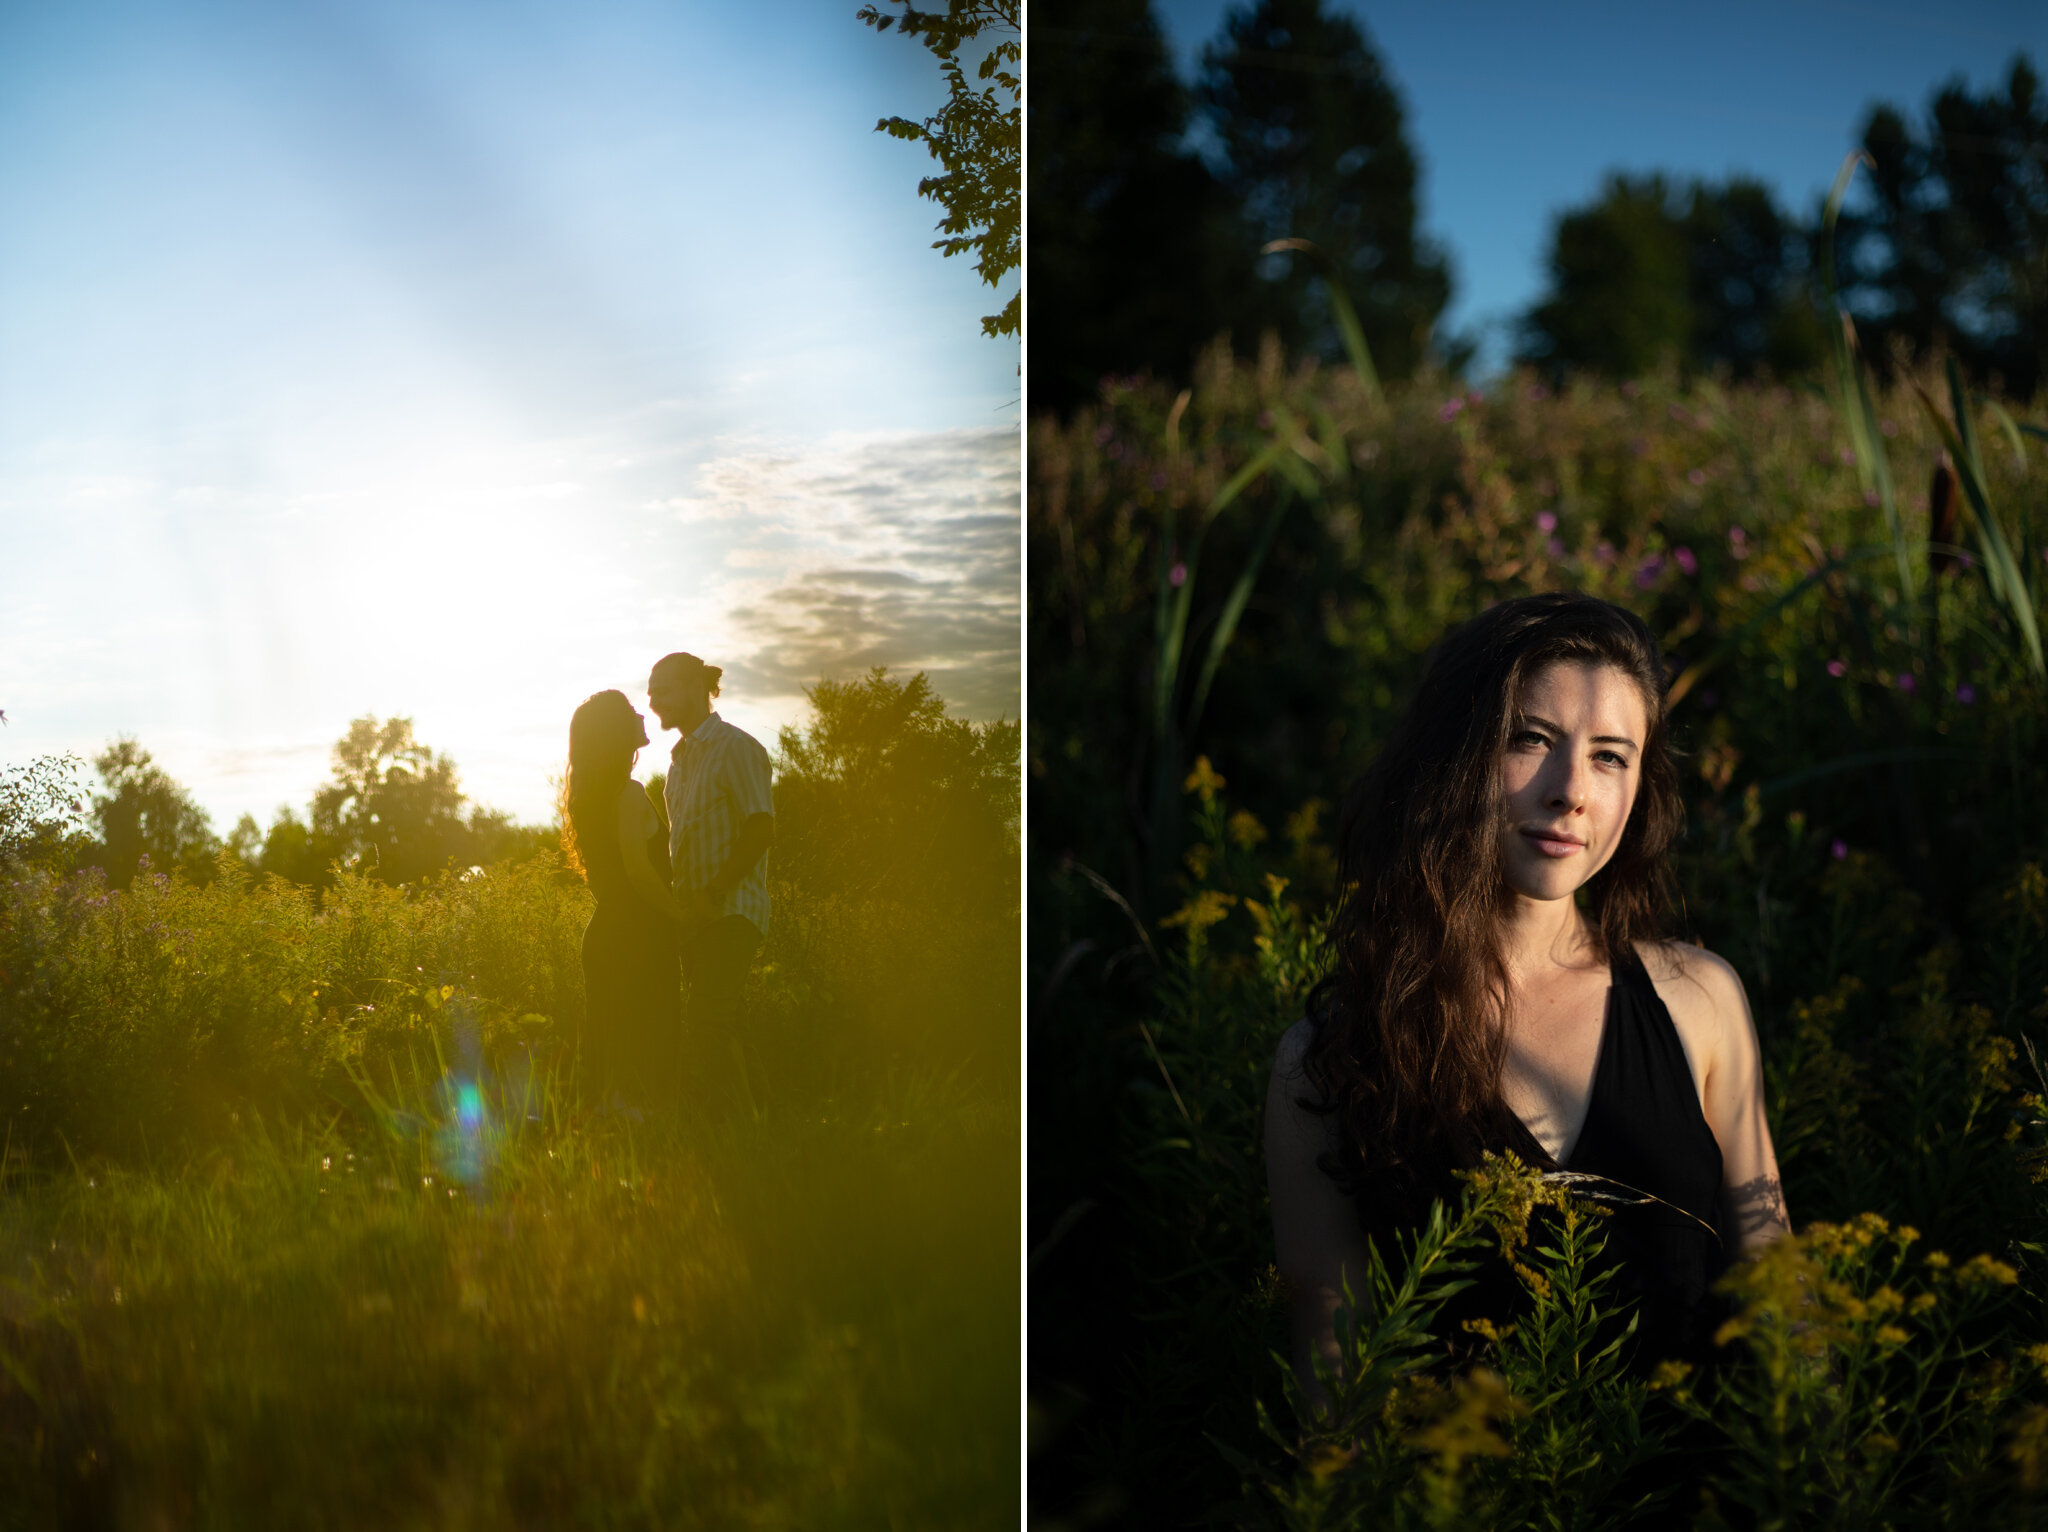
[(306, 1222), (1233, 588)]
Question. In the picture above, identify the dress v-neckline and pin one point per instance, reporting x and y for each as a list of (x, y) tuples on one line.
[(1564, 1161)]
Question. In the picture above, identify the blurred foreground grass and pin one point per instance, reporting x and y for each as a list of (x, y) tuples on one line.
[(303, 1223)]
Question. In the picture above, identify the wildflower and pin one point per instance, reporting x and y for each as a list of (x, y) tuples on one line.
[(1872, 497), (1841, 850), (1245, 830), (1178, 575), (1889, 427), (1475, 398), (1669, 1374), (1966, 694), (1848, 458), (1906, 682), (1983, 1271), (1837, 669), (1467, 1430), (1546, 522), (1554, 548), (1938, 1259), (1451, 408), (1203, 780), (1685, 560), (1539, 393), (1648, 570), (1603, 552), (1697, 477)]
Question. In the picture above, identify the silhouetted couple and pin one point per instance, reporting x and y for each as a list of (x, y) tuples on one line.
[(691, 903)]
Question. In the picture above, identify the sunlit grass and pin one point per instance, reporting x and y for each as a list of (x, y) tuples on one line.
[(786, 1322)]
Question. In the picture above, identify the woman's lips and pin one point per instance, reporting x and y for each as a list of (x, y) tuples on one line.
[(1553, 845)]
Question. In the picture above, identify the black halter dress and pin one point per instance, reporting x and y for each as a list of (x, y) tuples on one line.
[(1644, 1134)]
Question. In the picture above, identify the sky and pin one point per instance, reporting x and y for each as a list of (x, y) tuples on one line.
[(1520, 110), (455, 359)]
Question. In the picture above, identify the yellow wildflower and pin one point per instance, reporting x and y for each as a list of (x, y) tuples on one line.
[(1203, 780), (1245, 830)]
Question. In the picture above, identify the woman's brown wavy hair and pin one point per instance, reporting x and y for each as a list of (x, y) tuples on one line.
[(1407, 1046), (604, 734)]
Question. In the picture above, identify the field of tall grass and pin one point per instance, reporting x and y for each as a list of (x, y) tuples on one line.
[(305, 1222), (1232, 592)]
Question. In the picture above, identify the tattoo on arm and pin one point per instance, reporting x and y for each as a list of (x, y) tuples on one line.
[(1758, 1206)]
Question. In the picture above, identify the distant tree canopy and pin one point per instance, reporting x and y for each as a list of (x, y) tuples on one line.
[(1949, 249), (1143, 250), (882, 793), (392, 809), (140, 812), (1944, 247), (1709, 275)]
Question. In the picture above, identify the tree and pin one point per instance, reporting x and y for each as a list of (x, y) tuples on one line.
[(1949, 250), (1135, 252), (1707, 275), (393, 808), (1313, 147), (977, 136), (882, 793), (143, 812), (42, 811)]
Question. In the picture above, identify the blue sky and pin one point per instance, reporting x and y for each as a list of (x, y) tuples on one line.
[(1519, 110), (457, 359)]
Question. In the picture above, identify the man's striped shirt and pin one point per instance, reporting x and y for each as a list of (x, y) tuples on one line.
[(717, 778)]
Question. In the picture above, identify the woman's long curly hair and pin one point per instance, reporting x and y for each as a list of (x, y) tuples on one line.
[(1407, 1042), (604, 734)]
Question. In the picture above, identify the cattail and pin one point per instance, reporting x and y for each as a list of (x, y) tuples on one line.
[(1942, 518)]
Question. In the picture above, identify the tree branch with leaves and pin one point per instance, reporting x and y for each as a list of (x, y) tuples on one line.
[(977, 136)]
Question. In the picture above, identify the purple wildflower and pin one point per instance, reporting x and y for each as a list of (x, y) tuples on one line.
[(1603, 551), (1697, 477), (1450, 409), (1837, 669), (1546, 522), (1906, 681), (1178, 575), (1648, 570), (1685, 560), (1966, 694), (1556, 548), (1841, 849)]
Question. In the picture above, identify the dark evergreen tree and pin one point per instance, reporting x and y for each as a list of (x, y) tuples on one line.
[(1949, 251), (1124, 274), (1309, 130)]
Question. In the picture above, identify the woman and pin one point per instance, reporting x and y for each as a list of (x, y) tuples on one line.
[(1500, 984), (612, 836)]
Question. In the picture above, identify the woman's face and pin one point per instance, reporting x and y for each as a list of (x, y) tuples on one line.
[(1568, 776)]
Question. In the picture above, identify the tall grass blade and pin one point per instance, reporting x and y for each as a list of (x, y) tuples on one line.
[(1342, 311), (1233, 609), (2006, 581), (1852, 386)]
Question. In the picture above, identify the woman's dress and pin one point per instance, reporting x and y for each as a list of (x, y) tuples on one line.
[(631, 980), (1646, 1138)]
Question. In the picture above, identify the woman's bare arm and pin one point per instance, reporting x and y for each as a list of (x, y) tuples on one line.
[(1317, 1242), (1707, 1003), (636, 823)]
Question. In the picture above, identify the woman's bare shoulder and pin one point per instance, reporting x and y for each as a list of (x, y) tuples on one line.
[(1704, 995), (633, 802), (1290, 1058)]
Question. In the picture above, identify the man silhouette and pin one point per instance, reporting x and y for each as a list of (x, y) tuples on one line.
[(721, 820)]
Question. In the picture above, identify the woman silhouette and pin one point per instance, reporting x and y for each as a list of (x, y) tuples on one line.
[(632, 1022), (1500, 984)]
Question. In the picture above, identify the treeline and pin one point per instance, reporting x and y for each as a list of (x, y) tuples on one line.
[(1154, 202), (879, 794)]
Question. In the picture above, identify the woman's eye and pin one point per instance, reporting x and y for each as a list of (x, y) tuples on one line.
[(1527, 738), (1613, 759)]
